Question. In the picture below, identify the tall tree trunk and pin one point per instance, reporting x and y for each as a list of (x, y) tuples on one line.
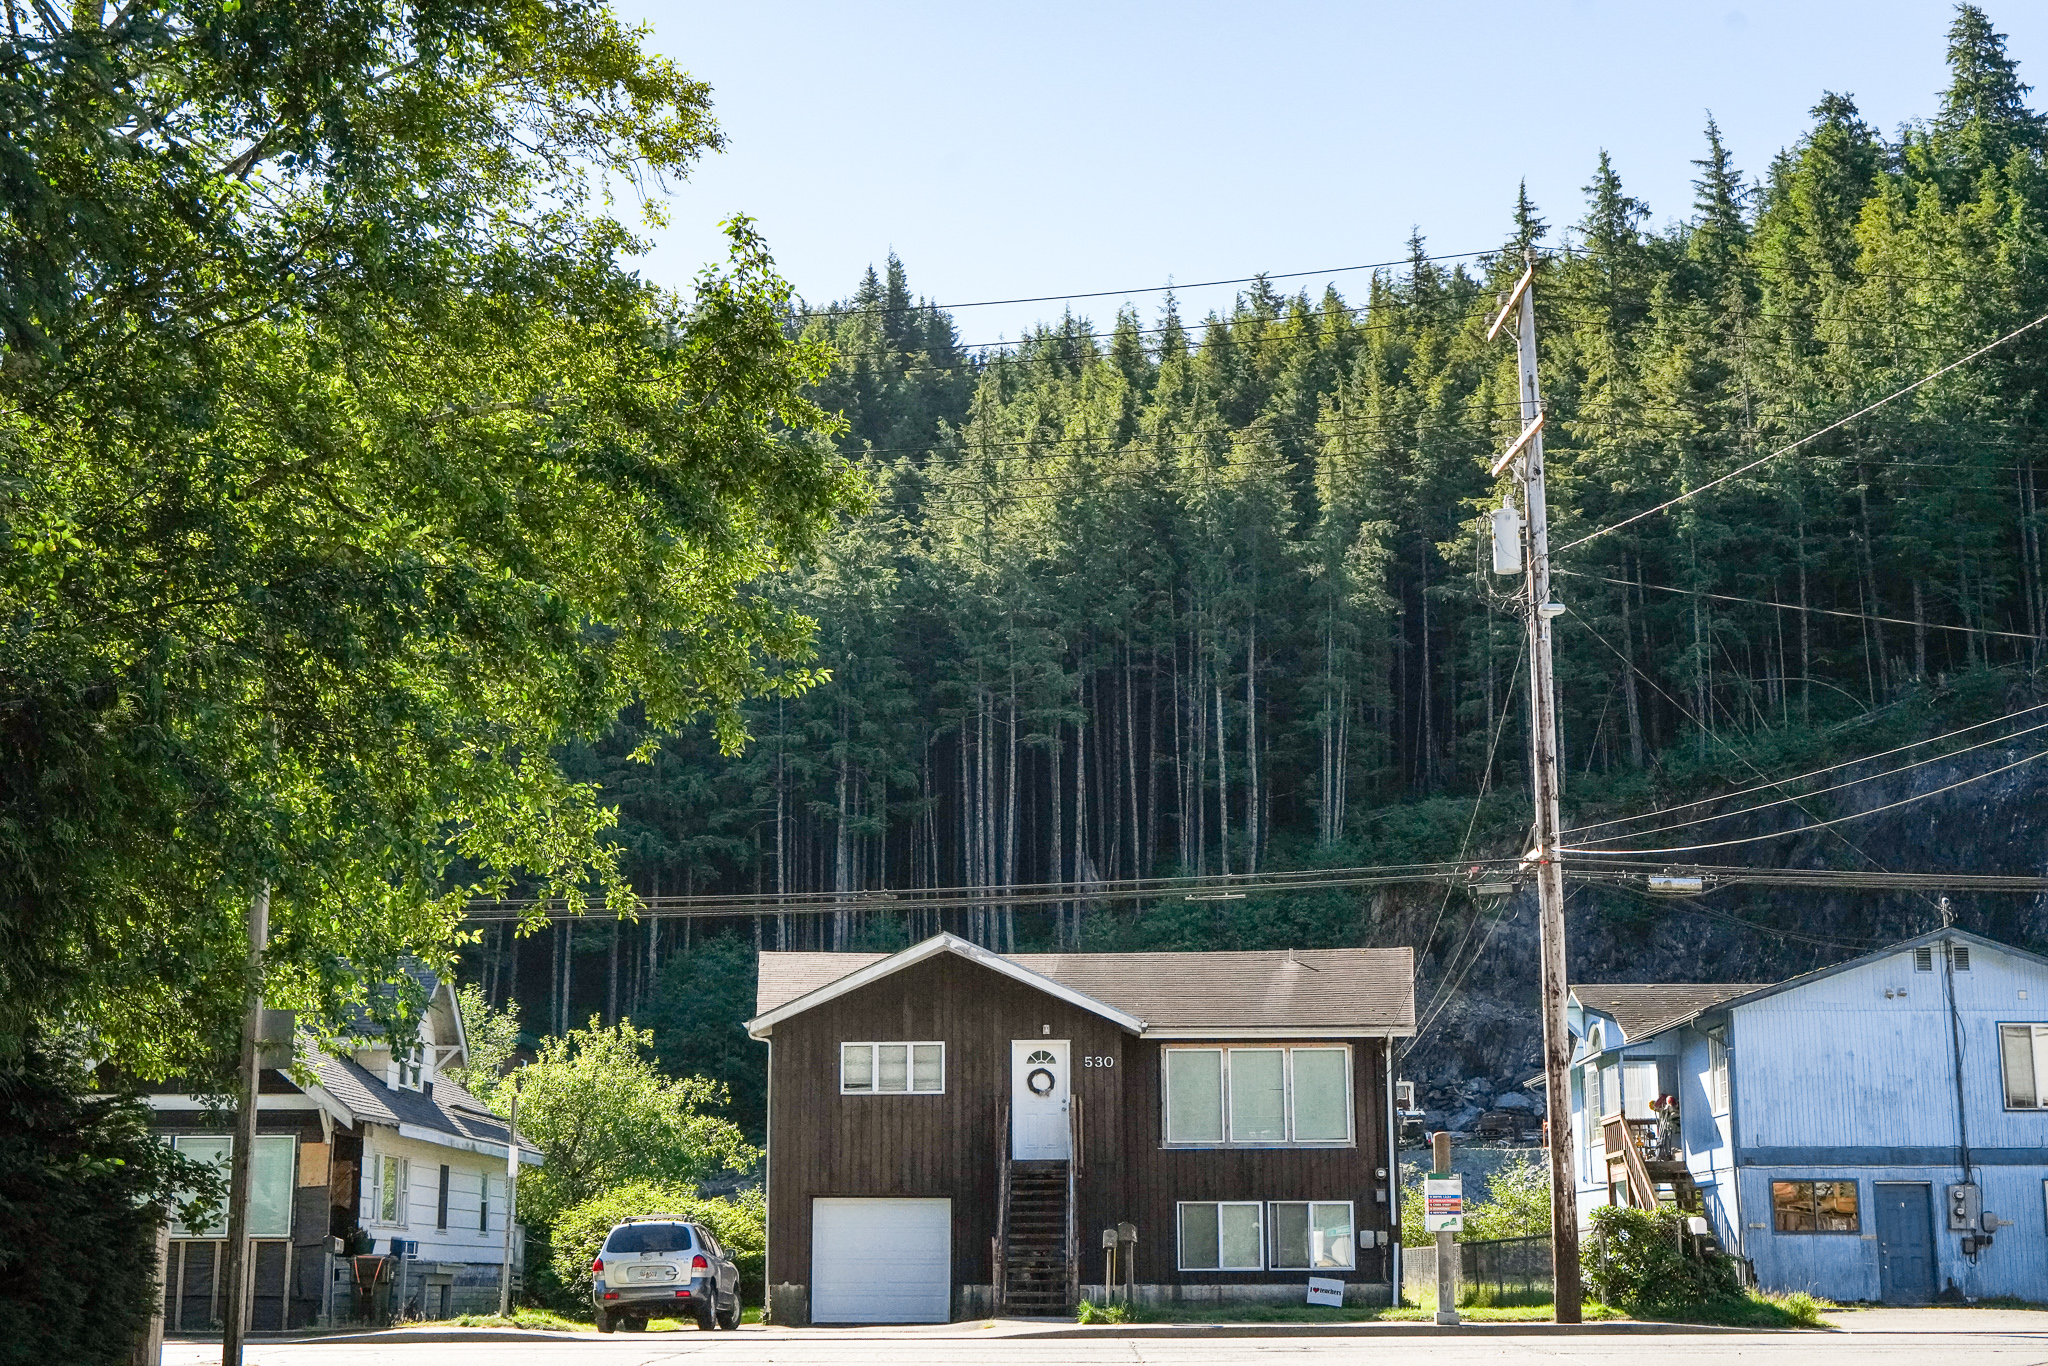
[(1920, 630), (1425, 689), (1010, 824), (1805, 635), (1057, 830), (1080, 818), (1628, 678), (611, 995), (1876, 598), (1150, 862), (1254, 815), (1222, 783)]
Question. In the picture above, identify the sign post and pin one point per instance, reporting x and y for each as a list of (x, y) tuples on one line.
[(1443, 1213)]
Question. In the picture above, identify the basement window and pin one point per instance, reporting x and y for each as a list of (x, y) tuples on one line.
[(1221, 1236), (2023, 1049), (870, 1069), (1814, 1207), (1311, 1235)]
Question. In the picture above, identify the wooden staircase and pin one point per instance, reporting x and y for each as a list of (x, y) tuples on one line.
[(1651, 1182), (1037, 1239)]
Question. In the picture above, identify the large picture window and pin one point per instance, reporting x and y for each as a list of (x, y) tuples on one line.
[(1311, 1235), (1257, 1096), (1814, 1207), (900, 1069), (271, 1178), (1221, 1236), (2023, 1051)]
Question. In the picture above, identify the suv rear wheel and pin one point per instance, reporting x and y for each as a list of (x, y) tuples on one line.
[(636, 1324), (707, 1317), (604, 1320), (729, 1319)]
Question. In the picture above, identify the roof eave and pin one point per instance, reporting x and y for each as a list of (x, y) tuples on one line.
[(761, 1026)]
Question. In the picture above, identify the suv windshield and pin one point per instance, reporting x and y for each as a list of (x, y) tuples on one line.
[(649, 1238)]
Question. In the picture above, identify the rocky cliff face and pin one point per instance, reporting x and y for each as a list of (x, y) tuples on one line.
[(1476, 993)]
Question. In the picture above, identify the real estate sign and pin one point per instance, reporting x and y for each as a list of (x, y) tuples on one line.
[(1443, 1208)]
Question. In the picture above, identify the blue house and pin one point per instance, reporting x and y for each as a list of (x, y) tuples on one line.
[(1876, 1130)]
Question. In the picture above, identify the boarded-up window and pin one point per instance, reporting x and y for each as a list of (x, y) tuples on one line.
[(1221, 1236), (2023, 1050), (1194, 1095), (1814, 1207)]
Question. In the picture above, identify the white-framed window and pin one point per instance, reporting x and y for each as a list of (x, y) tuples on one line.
[(2023, 1054), (390, 1176), (1256, 1096), (886, 1069), (483, 1205), (1313, 1235), (1717, 1071), (1222, 1235), (272, 1177)]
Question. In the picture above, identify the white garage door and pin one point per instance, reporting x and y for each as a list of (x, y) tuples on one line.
[(881, 1261)]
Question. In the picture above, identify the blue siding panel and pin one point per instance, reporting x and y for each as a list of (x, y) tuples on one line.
[(1833, 1079)]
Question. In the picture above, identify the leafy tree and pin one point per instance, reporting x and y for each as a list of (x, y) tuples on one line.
[(1517, 1203), (492, 1040), (740, 1224), (84, 1187), (349, 473), (697, 1021), (602, 1113)]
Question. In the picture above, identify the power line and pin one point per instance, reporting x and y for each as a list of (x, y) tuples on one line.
[(923, 305), (1821, 792), (1800, 830), (1811, 436), (1810, 773), (1795, 607)]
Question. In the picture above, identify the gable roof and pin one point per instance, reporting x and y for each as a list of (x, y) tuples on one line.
[(1643, 1008), (1294, 992), (450, 1114), (1759, 991)]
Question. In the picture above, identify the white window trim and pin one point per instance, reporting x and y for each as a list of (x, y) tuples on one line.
[(377, 1161), (1718, 1088), (263, 1142), (1350, 1139), (875, 1066), (2038, 1042), (1350, 1220), (1180, 1251)]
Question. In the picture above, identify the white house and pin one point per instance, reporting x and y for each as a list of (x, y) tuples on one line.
[(1876, 1130), (374, 1163)]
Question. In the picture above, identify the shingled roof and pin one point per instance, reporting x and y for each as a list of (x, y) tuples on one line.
[(1644, 1008), (1306, 990)]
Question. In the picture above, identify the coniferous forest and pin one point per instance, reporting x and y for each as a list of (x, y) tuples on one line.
[(1161, 594)]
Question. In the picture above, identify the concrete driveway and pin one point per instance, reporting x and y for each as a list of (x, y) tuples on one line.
[(1888, 1337)]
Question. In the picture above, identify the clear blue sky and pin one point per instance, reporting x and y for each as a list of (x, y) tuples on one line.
[(1054, 148)]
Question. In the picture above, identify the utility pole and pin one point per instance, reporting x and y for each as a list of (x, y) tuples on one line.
[(1527, 454), (511, 1200), (248, 1071)]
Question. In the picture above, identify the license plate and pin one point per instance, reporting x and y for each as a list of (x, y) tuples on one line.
[(650, 1273)]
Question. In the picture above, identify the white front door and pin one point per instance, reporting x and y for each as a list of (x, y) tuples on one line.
[(1038, 1100)]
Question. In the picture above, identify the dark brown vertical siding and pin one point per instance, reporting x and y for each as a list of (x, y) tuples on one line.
[(1162, 1177), (824, 1144)]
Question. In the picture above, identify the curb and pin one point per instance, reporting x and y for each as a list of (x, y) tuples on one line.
[(1532, 1328)]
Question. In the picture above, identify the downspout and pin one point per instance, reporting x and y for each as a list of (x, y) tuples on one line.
[(1393, 1152), (768, 1190)]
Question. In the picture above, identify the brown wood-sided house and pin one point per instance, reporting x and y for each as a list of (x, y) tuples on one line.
[(951, 1131)]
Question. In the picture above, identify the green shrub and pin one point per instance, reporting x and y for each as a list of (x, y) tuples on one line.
[(83, 1188), (739, 1223), (1638, 1261), (1090, 1312)]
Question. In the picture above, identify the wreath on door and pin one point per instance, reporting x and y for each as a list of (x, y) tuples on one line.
[(1040, 1080)]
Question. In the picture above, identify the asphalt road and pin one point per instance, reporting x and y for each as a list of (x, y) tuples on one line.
[(1888, 1338)]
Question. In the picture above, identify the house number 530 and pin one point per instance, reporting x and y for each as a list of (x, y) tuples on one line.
[(1098, 1062)]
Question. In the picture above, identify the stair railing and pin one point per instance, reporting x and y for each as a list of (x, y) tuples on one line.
[(1073, 1277), (1000, 1258)]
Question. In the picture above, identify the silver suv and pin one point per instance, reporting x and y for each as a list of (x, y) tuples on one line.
[(663, 1266)]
